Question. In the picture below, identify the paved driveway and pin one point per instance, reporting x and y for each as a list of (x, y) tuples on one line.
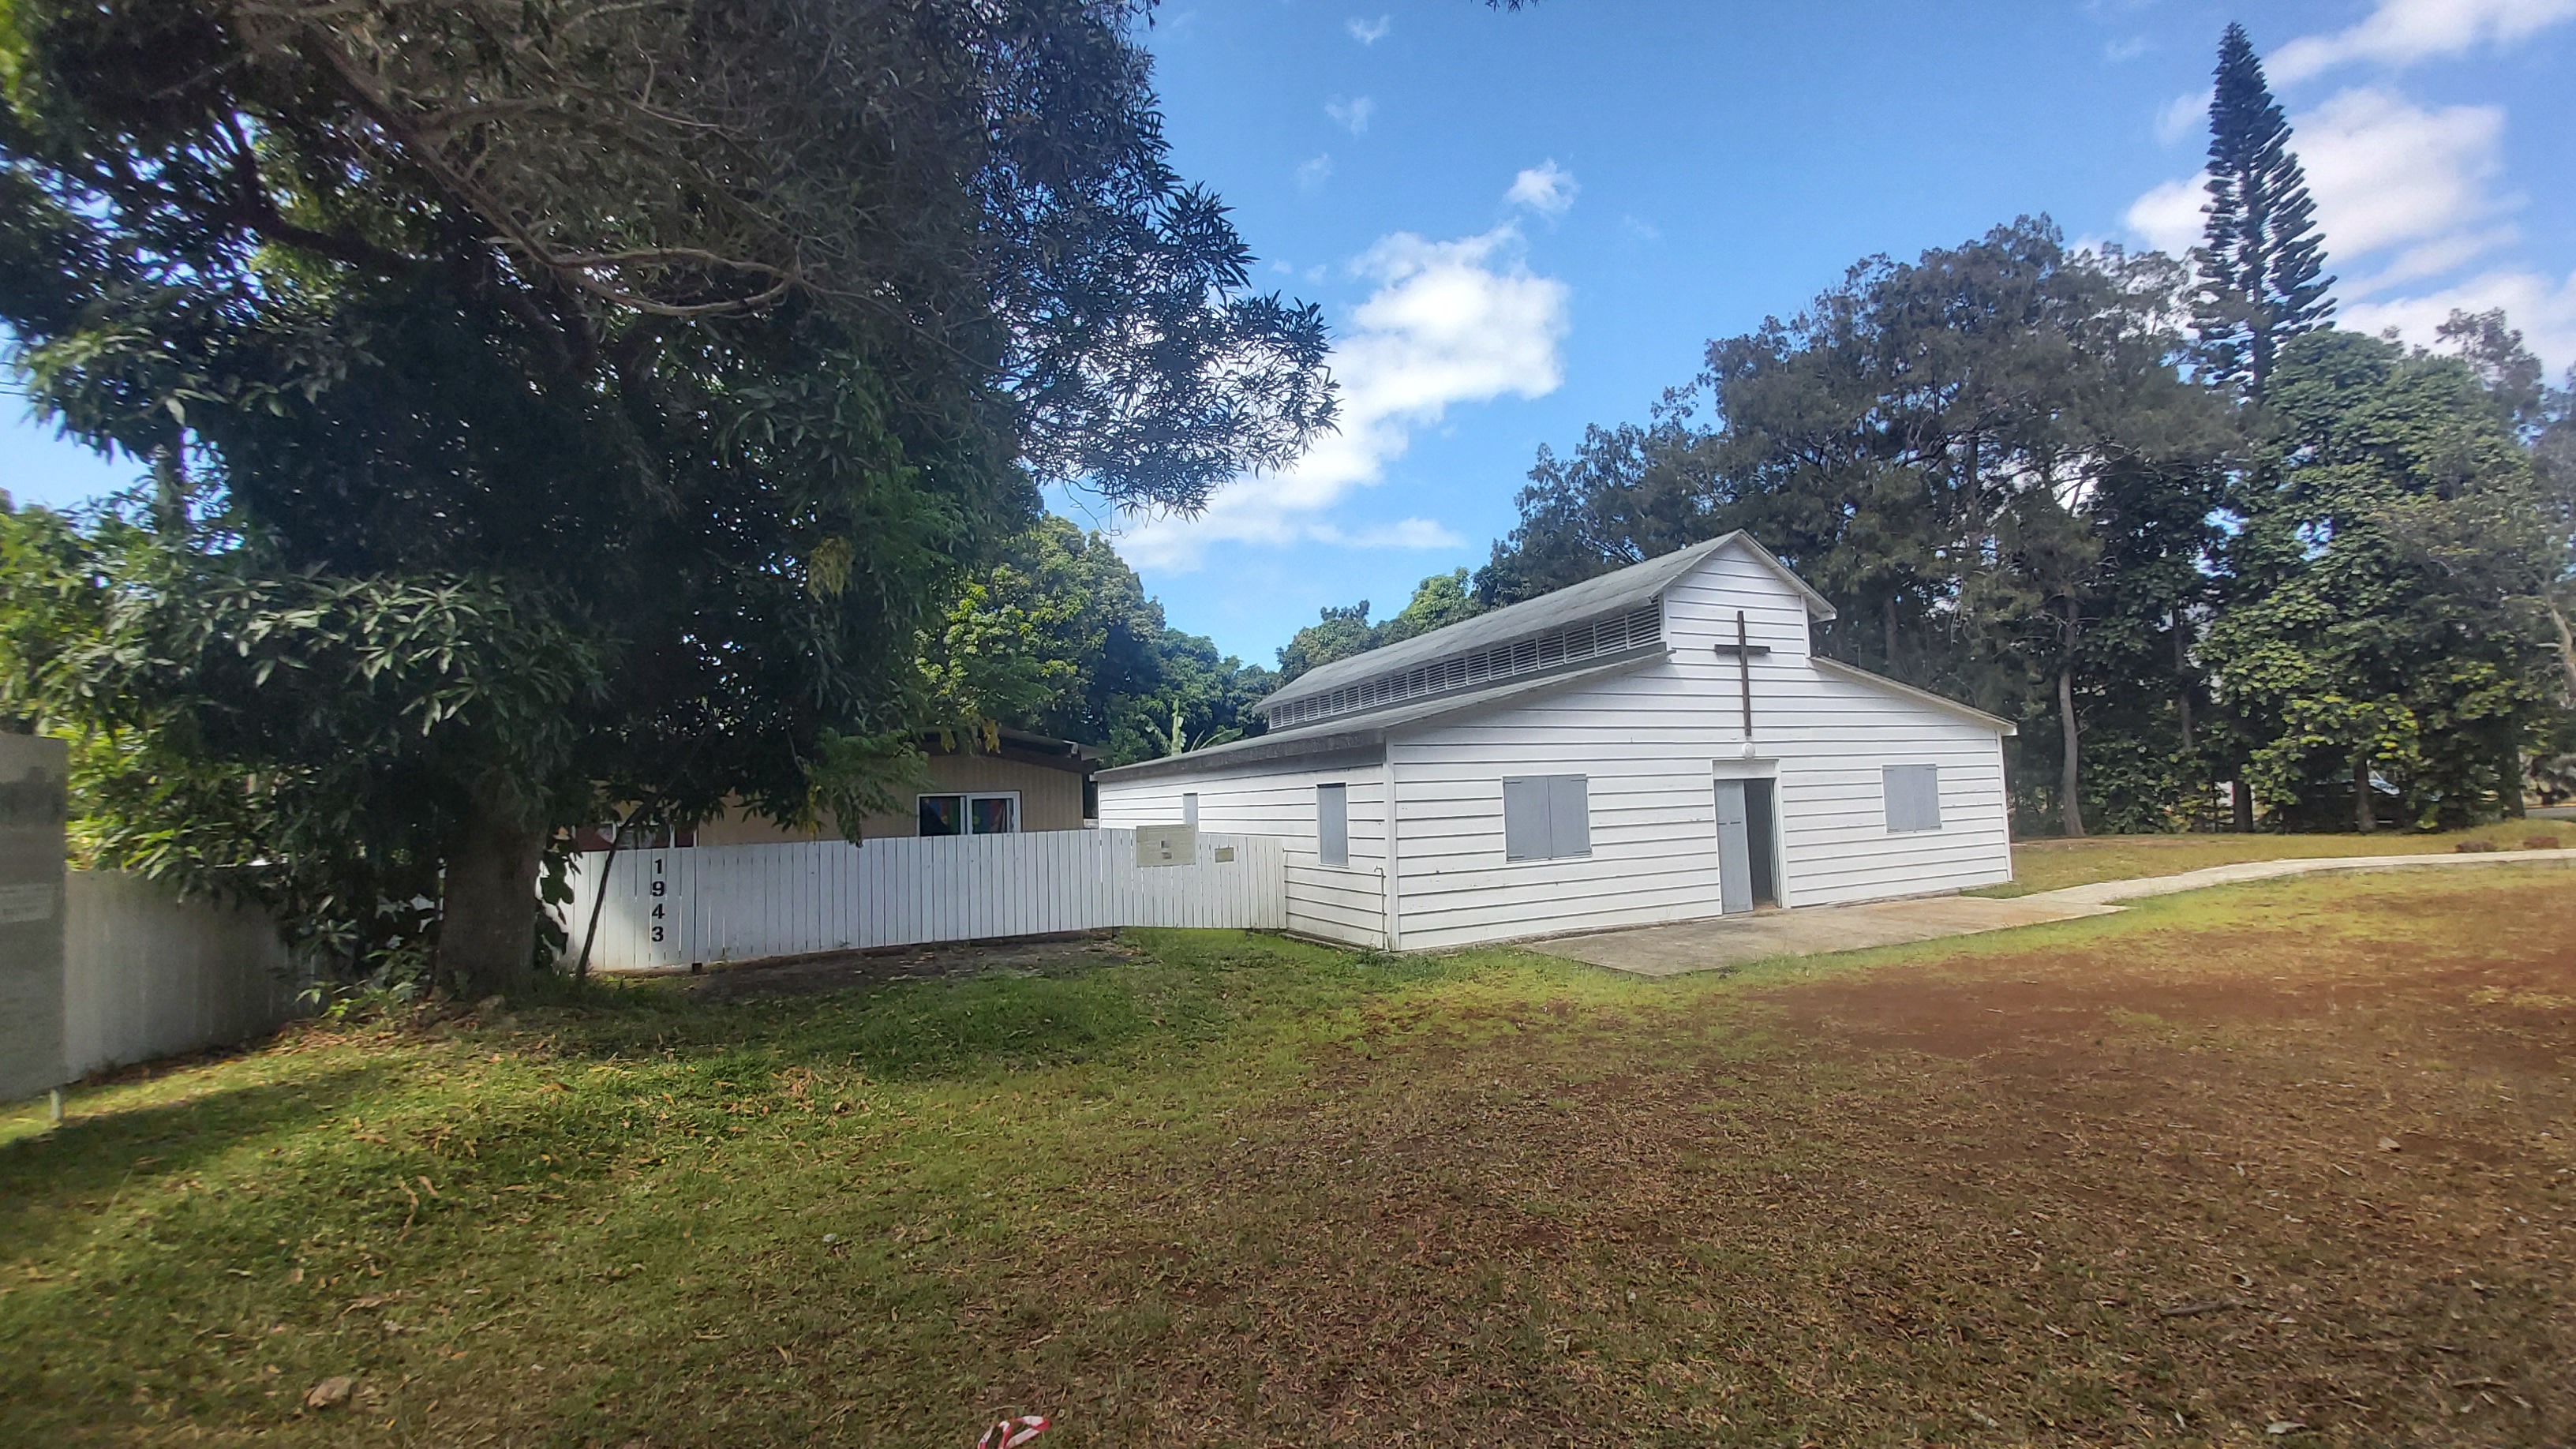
[(1815, 930)]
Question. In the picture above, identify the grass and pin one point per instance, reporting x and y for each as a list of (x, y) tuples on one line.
[(2047, 865), (2112, 1180)]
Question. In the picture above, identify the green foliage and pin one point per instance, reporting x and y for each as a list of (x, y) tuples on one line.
[(1994, 464), (1059, 637), (280, 734), (1988, 459), (2389, 572), (2261, 262), (703, 353), (1437, 602)]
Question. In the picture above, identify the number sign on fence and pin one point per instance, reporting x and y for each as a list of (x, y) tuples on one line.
[(670, 909)]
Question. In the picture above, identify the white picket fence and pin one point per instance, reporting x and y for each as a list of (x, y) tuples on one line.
[(670, 909)]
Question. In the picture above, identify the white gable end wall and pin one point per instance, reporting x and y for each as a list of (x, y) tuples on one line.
[(1831, 737), (1653, 743)]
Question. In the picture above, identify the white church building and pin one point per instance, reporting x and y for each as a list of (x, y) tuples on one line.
[(1657, 744)]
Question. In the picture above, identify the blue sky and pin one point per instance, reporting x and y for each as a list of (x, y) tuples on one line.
[(1521, 224)]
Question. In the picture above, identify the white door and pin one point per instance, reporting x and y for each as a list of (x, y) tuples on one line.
[(1734, 850)]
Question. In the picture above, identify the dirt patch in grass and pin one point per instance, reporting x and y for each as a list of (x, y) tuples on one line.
[(2131, 1192), (844, 970), (2113, 1181)]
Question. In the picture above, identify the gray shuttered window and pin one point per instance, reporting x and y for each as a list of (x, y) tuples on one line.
[(1913, 798), (1546, 817), (1333, 824), (1189, 807)]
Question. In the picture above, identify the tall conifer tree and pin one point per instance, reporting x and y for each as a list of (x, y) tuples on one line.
[(2261, 263)]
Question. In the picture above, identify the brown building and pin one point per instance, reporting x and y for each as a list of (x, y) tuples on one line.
[(1031, 783)]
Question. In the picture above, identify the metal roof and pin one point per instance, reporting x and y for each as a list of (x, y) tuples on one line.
[(1370, 731), (1608, 594)]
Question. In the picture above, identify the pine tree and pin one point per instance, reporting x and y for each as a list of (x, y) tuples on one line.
[(2262, 261)]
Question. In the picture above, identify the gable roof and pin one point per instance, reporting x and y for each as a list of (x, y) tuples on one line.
[(1370, 731), (1611, 593)]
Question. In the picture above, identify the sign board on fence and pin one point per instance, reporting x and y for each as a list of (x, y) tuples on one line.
[(1167, 845), (31, 915)]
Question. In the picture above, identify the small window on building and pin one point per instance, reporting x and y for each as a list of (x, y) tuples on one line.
[(1190, 807), (1546, 817), (970, 814), (1333, 824), (1913, 798)]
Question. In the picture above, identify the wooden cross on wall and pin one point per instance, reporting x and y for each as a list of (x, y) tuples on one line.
[(1744, 650)]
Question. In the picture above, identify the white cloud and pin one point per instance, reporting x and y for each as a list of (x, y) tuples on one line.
[(2393, 181), (1369, 32), (2544, 310), (2169, 216), (2402, 32), (2121, 52), (1313, 173), (2386, 171), (1640, 229), (1351, 115), (2181, 116), (1450, 322), (1546, 188)]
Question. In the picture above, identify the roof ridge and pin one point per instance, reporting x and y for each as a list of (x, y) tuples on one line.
[(1603, 594)]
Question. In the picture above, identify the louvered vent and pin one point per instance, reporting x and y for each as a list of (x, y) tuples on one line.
[(1537, 654)]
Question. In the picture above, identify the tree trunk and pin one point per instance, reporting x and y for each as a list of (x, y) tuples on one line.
[(487, 930), (2365, 810), (2182, 679), (2242, 796), (2566, 646), (2070, 771), (1891, 639), (2514, 808)]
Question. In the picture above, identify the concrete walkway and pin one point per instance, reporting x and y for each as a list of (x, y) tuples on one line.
[(1730, 940)]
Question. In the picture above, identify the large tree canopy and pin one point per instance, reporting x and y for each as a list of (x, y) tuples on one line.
[(710, 338), (1987, 458), (2388, 579)]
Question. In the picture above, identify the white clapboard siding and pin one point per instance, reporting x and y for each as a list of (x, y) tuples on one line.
[(1344, 903), (1650, 742), (669, 909)]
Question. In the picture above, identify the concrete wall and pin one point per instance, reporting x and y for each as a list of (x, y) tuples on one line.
[(31, 915)]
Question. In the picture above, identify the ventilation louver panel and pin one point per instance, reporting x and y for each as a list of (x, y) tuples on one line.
[(1477, 668)]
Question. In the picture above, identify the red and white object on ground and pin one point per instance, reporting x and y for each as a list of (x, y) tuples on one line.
[(1012, 1433)]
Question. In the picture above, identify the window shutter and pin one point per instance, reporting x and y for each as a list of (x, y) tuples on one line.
[(1189, 807), (1525, 818), (1569, 815), (1913, 797), (1333, 824)]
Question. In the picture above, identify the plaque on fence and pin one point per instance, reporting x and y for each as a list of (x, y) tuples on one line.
[(31, 917), (1167, 845)]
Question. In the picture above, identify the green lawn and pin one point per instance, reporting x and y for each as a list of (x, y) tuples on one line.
[(2046, 865), (2115, 1180)]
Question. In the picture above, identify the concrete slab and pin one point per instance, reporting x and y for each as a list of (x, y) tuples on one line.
[(1815, 930), (1730, 940)]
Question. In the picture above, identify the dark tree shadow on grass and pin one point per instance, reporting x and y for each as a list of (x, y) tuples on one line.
[(54, 1181)]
